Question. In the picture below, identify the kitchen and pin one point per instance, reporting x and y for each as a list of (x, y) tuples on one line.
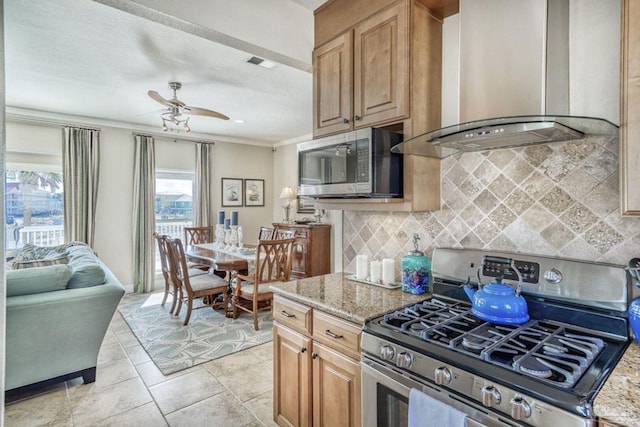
[(558, 200)]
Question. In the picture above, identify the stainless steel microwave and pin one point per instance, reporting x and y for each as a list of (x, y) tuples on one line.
[(353, 164)]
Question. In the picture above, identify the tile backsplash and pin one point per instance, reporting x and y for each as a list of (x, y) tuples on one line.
[(559, 199)]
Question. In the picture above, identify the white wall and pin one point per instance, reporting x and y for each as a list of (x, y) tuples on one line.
[(113, 240), (285, 173)]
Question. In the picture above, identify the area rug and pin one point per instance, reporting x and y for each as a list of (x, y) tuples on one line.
[(209, 334)]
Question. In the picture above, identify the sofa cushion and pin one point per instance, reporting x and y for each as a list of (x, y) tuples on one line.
[(37, 279), (60, 259), (86, 268)]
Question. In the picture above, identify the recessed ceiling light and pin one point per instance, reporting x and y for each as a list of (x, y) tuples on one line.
[(239, 121)]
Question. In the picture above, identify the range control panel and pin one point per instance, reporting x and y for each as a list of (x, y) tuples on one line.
[(530, 271)]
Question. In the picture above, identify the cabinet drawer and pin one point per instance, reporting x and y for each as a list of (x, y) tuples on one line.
[(301, 234), (290, 313), (337, 334)]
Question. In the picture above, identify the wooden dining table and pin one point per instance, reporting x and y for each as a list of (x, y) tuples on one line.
[(221, 260)]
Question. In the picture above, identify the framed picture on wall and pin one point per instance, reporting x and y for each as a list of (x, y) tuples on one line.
[(305, 204), (231, 192), (254, 192)]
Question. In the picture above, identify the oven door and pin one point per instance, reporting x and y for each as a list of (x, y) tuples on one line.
[(385, 399)]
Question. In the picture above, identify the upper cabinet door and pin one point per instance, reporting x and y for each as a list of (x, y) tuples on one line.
[(381, 67), (630, 109), (333, 86)]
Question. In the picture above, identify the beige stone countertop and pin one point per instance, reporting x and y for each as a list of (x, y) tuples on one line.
[(618, 401), (344, 298)]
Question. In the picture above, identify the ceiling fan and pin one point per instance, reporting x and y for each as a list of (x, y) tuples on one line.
[(178, 112)]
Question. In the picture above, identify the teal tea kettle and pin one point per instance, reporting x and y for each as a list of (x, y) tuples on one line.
[(498, 302)]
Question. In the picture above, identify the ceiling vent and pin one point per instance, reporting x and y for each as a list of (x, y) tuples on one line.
[(261, 62)]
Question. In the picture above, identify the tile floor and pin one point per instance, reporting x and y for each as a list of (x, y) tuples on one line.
[(235, 390)]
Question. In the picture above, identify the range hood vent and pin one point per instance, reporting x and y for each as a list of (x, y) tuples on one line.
[(513, 90), (504, 132)]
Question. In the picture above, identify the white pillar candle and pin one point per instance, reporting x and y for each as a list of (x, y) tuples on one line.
[(376, 271), (388, 271), (362, 262)]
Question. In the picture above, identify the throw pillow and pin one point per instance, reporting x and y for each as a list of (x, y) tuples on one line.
[(19, 264), (37, 280), (85, 272)]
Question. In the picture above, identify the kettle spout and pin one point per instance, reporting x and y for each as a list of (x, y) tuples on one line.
[(468, 289)]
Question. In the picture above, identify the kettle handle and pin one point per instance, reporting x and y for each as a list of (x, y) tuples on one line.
[(501, 260)]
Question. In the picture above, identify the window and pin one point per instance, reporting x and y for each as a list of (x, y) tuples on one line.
[(34, 206), (174, 202)]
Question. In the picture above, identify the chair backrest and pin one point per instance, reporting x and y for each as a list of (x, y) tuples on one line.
[(273, 261), (279, 234), (197, 235), (265, 233), (162, 250), (177, 262)]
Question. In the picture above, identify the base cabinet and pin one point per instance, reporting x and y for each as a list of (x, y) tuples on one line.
[(292, 375), (336, 388), (315, 384)]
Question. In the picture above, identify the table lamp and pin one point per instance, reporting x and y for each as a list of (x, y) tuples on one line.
[(287, 196)]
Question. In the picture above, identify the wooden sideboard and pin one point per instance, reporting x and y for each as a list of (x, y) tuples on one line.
[(311, 250)]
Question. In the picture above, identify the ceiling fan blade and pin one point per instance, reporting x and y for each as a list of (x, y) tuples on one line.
[(197, 111), (156, 97)]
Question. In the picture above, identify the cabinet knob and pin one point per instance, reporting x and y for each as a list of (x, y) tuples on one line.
[(303, 349), (345, 121), (314, 355), (356, 117)]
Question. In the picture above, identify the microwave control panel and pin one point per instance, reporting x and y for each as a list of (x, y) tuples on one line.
[(362, 156)]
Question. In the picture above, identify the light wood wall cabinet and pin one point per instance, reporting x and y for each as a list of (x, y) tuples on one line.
[(630, 109), (311, 250), (379, 63), (361, 78), (316, 369)]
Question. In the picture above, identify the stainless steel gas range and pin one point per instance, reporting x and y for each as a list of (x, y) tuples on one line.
[(544, 372)]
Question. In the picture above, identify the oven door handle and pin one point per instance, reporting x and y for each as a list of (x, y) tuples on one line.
[(397, 383)]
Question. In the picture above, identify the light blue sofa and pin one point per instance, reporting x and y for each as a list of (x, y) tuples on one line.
[(57, 316)]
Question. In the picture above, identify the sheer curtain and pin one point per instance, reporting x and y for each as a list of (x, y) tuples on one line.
[(144, 192), (202, 205), (81, 164)]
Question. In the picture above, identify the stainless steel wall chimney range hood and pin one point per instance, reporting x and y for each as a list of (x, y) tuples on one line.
[(514, 81)]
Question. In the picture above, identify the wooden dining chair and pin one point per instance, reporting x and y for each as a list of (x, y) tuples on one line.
[(273, 264), (164, 266), (205, 286), (198, 235)]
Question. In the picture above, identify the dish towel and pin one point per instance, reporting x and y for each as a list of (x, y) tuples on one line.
[(426, 411)]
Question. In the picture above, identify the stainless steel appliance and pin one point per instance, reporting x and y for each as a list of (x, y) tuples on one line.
[(544, 372), (352, 164)]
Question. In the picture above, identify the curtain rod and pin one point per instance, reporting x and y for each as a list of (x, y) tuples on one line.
[(174, 139), (82, 127)]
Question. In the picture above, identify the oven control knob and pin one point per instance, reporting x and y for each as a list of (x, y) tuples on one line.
[(442, 376), (491, 396), (553, 276), (520, 409), (404, 360), (387, 352)]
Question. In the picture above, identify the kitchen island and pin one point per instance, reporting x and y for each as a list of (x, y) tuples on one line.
[(316, 346), (618, 402)]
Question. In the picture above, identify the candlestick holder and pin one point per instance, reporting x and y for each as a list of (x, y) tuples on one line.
[(233, 238), (219, 236), (240, 236), (227, 238)]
